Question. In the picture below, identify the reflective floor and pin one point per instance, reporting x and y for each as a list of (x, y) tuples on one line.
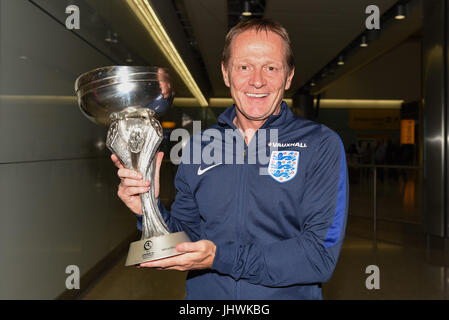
[(404, 274), (131, 283)]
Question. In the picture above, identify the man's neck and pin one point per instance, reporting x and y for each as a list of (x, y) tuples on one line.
[(247, 126)]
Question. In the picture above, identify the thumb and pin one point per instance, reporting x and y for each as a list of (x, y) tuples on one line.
[(116, 161)]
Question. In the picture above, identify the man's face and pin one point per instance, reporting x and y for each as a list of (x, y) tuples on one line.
[(257, 73)]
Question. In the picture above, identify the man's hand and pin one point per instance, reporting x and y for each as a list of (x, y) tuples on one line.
[(198, 255), (132, 184)]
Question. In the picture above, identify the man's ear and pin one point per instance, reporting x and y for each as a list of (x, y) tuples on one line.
[(289, 79), (225, 75)]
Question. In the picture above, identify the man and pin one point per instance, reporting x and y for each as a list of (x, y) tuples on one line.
[(257, 236)]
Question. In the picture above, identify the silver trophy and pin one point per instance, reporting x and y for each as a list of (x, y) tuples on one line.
[(128, 99)]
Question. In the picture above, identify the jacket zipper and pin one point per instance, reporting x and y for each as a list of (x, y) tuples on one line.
[(242, 205)]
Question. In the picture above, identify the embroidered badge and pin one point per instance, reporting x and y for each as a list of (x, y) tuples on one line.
[(283, 165)]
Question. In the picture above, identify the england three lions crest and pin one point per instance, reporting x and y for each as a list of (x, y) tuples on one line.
[(283, 165)]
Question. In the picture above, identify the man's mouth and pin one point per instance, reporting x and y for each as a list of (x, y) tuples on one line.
[(256, 95)]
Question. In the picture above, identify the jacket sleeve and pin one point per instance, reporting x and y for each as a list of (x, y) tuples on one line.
[(311, 256)]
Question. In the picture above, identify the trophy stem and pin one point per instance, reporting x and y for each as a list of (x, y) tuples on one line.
[(134, 136), (153, 224)]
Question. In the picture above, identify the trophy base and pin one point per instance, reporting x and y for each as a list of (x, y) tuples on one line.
[(155, 248)]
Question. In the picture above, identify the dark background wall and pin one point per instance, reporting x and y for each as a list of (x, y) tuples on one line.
[(58, 203)]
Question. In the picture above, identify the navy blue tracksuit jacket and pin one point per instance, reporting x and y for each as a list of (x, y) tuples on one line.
[(278, 226)]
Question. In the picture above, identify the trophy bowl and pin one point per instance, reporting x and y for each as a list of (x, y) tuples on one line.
[(106, 90), (128, 98)]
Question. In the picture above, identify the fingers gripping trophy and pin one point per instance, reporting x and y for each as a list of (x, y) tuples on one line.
[(128, 98)]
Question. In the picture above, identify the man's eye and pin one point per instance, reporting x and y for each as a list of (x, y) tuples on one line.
[(270, 68), (243, 68)]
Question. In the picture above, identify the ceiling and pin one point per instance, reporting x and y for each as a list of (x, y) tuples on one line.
[(318, 29)]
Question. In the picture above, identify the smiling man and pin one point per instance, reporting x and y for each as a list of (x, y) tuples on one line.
[(257, 236), (258, 69)]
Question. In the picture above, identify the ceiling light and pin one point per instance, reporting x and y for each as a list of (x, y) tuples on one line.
[(246, 9), (360, 104), (312, 83), (400, 12), (147, 16), (129, 59), (114, 38), (108, 36), (364, 42), (341, 61)]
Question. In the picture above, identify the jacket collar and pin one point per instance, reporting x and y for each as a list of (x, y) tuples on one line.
[(227, 117)]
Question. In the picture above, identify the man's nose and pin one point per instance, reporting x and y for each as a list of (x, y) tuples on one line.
[(257, 79)]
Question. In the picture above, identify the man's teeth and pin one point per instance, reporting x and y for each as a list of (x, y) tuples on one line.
[(257, 95)]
